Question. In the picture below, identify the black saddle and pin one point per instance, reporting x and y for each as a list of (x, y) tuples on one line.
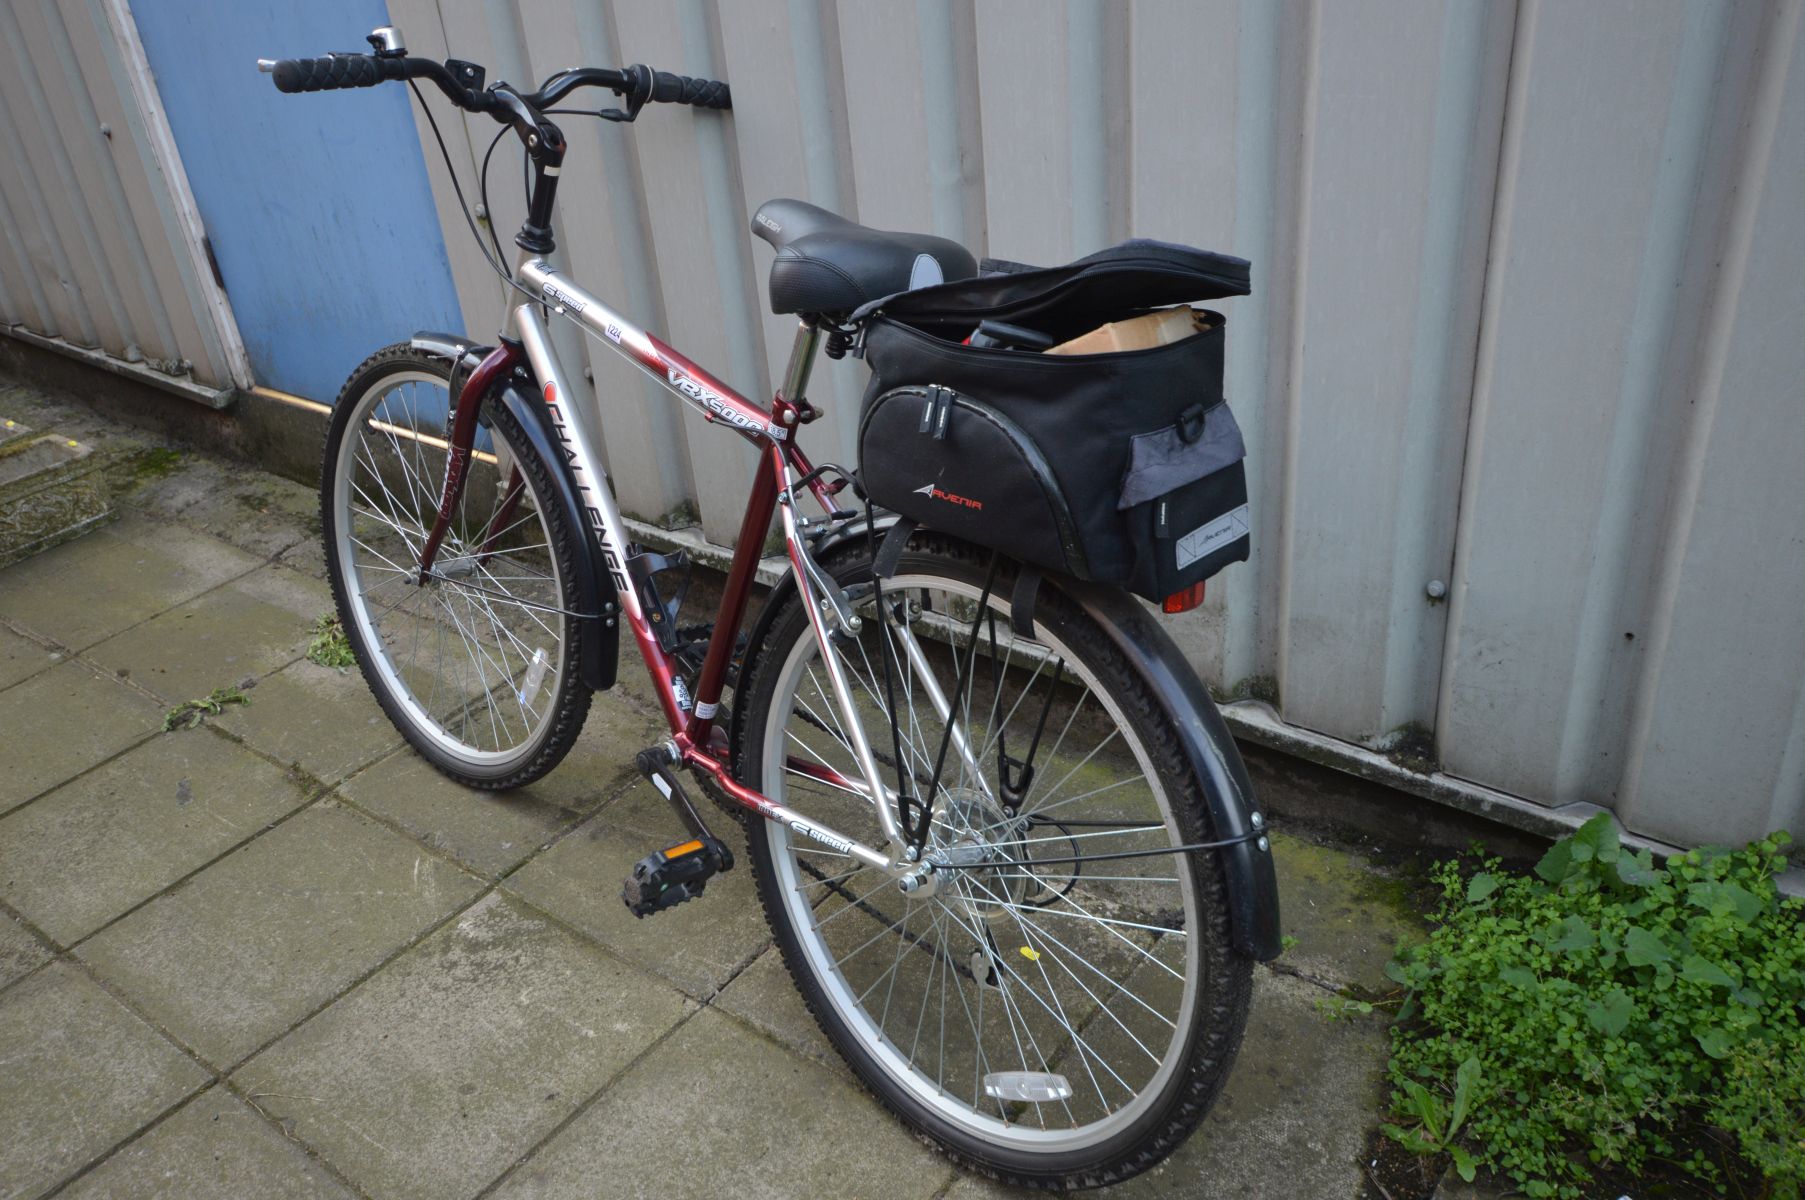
[(827, 264)]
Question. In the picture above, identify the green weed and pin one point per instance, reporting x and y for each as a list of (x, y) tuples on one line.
[(1604, 1011), (330, 647), (190, 713)]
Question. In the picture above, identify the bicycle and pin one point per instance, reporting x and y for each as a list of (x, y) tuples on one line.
[(1011, 859)]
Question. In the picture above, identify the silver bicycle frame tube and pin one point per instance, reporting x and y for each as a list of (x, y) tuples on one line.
[(836, 675), (603, 514)]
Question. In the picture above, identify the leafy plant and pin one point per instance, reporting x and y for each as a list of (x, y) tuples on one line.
[(1610, 1004), (330, 647), (1438, 1125), (190, 713)]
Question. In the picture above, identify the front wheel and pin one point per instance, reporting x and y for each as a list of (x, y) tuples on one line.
[(477, 665), (1053, 1023)]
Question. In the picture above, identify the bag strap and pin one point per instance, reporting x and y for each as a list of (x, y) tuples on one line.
[(889, 553), (1022, 601)]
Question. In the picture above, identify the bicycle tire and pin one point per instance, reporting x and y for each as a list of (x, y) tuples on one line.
[(1195, 1062), (384, 438)]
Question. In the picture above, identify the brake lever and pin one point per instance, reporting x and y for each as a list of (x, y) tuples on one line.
[(639, 76), (634, 104)]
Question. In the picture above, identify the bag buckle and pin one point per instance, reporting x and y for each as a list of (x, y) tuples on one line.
[(937, 412), (1191, 422)]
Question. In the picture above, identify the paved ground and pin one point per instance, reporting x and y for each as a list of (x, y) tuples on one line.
[(276, 955)]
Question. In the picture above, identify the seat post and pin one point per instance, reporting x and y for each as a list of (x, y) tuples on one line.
[(802, 361)]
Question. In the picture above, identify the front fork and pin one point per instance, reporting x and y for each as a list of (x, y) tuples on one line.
[(775, 486), (467, 404)]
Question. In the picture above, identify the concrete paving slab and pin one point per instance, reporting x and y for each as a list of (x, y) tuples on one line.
[(260, 513), (94, 848), (322, 719), (432, 1077), (215, 1148), (21, 658), (1293, 1119), (765, 996), (307, 556), (699, 945), (20, 951), (113, 578), (1347, 916), (258, 940), (643, 809), (243, 630), (491, 832), (720, 1111), (621, 724), (81, 1074), (63, 721)]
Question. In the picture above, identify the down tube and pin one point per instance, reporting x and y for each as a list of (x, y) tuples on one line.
[(599, 509)]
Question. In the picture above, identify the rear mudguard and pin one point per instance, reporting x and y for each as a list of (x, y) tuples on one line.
[(1253, 889), (595, 587)]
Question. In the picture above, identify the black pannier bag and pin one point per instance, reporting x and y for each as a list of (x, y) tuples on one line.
[(1123, 468)]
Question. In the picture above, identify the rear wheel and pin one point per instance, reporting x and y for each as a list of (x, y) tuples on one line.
[(1053, 1023), (478, 665)]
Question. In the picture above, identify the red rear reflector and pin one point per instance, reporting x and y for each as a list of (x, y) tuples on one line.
[(1183, 601)]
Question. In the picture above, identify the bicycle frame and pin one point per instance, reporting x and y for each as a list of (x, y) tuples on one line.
[(698, 742)]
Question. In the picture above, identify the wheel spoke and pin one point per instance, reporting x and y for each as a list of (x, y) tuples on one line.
[(1085, 981), (475, 659)]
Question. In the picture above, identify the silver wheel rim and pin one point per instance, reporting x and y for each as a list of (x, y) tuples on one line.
[(457, 655), (1031, 1127)]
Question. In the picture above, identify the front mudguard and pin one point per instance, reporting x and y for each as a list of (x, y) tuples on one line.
[(595, 587), (1247, 866)]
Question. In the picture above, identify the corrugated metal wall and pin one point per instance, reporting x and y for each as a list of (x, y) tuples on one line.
[(1530, 287), (1530, 281), (100, 245)]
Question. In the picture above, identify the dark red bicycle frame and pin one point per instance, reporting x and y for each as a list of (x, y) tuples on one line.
[(699, 740)]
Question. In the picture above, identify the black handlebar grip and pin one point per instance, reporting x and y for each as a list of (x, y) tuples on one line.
[(333, 71), (681, 89)]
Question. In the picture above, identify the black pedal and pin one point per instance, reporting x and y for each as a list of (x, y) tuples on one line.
[(692, 650), (669, 877)]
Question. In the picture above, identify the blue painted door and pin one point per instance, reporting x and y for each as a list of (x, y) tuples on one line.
[(317, 206)]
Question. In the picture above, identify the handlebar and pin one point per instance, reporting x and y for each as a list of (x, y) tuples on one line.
[(335, 71), (462, 82), (524, 112), (682, 89)]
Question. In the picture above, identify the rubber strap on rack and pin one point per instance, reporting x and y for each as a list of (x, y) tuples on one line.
[(1022, 601), (890, 553)]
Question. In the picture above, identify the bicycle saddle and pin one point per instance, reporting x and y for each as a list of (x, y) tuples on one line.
[(827, 264)]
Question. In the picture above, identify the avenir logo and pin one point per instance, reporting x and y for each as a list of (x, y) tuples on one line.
[(934, 493)]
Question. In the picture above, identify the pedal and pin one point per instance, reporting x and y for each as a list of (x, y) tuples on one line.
[(692, 649), (669, 877), (681, 872)]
